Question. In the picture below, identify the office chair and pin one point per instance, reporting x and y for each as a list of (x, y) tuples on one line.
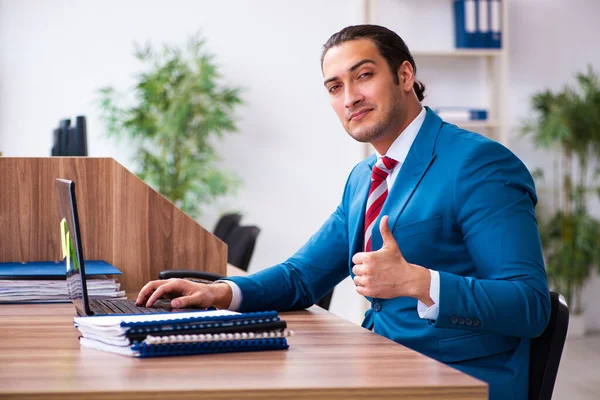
[(240, 245), (325, 301), (226, 224), (546, 350)]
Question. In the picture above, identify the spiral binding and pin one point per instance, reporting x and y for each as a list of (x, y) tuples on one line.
[(243, 318), (207, 337), (144, 350)]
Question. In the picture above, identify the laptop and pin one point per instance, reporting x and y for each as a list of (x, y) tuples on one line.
[(76, 279)]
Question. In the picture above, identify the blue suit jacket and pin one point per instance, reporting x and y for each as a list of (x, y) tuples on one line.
[(462, 205)]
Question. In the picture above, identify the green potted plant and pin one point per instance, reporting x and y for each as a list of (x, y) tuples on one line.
[(180, 106), (568, 122)]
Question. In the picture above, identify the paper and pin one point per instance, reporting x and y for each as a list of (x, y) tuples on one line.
[(93, 344), (12, 291), (116, 320)]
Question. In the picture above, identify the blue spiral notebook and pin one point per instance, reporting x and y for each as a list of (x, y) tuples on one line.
[(185, 333)]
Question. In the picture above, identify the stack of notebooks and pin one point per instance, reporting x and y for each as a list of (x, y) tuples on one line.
[(45, 281), (183, 333)]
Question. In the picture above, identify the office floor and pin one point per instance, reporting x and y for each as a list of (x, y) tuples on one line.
[(579, 371)]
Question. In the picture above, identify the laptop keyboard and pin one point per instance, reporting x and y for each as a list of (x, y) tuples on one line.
[(124, 307)]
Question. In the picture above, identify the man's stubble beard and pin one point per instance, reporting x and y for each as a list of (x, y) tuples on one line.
[(383, 127)]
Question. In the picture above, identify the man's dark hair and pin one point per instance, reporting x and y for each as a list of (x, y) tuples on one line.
[(390, 45)]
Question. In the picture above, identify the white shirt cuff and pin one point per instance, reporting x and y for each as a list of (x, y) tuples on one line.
[(236, 296), (434, 292)]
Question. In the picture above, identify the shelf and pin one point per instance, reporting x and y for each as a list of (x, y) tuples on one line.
[(460, 53), (475, 124)]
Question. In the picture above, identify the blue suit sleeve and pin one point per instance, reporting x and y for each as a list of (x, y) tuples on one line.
[(308, 275), (494, 206), (305, 277)]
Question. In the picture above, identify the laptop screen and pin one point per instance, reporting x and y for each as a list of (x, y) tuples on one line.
[(71, 245)]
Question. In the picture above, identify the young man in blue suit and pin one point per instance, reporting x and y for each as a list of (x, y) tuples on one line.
[(438, 229)]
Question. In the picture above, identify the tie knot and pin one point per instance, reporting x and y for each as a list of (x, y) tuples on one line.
[(383, 168)]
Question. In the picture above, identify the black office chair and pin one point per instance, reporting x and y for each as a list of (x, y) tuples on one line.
[(546, 350), (200, 276), (240, 245), (325, 301), (226, 225)]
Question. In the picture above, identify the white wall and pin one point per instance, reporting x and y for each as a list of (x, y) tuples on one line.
[(291, 152), (55, 54)]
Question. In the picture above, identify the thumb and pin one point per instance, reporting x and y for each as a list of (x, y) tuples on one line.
[(386, 233)]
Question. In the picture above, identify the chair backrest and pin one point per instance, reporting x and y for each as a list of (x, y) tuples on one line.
[(226, 224), (546, 351), (240, 245), (325, 301)]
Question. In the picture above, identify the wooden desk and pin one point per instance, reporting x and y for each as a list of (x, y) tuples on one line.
[(329, 358)]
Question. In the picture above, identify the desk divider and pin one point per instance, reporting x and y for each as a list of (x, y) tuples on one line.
[(123, 220)]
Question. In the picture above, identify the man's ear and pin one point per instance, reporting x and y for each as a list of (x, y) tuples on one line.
[(406, 75)]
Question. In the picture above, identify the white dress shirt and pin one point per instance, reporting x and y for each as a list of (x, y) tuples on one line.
[(397, 151)]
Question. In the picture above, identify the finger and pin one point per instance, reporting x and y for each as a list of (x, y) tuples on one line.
[(171, 286), (359, 258), (363, 291), (196, 300), (147, 290), (360, 280), (359, 270), (386, 233)]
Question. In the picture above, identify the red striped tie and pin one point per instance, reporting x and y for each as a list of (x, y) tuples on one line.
[(377, 195)]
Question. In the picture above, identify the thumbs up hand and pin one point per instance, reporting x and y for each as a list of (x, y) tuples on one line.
[(386, 274)]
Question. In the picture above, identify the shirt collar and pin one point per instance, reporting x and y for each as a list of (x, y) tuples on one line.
[(401, 146)]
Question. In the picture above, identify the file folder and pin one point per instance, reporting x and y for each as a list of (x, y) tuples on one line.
[(484, 35), (478, 24), (465, 24), (495, 40), (51, 270)]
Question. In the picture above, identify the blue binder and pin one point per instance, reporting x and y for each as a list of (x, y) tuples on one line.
[(484, 34), (478, 24), (51, 270), (465, 24), (462, 113), (495, 37)]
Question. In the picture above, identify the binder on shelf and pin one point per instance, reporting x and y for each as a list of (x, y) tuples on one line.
[(478, 24), (484, 35), (184, 333), (465, 24), (495, 38), (461, 114)]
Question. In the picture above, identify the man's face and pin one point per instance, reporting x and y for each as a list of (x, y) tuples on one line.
[(362, 90)]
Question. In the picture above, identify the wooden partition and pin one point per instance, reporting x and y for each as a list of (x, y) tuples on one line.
[(123, 221)]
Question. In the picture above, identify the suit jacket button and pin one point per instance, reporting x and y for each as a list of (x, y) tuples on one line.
[(377, 306), (453, 320), (476, 322), (461, 321), (468, 321)]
